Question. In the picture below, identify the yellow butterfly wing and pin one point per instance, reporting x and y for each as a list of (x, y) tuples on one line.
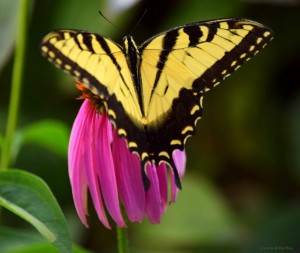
[(179, 65), (99, 64)]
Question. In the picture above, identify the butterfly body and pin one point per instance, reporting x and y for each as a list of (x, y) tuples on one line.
[(153, 92), (133, 60)]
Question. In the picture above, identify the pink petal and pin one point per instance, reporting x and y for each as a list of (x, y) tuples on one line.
[(180, 162), (76, 173), (153, 208), (92, 123), (163, 184), (129, 178), (82, 173), (106, 171)]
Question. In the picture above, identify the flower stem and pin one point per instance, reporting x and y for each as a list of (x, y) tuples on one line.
[(122, 240), (16, 84)]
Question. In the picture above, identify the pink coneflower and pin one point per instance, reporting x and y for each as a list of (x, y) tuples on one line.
[(100, 161)]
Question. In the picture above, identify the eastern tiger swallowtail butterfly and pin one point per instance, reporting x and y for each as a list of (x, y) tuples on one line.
[(153, 92)]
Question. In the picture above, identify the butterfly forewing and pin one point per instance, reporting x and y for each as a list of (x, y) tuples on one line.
[(99, 64)]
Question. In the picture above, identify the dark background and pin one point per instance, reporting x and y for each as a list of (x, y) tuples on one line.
[(241, 188)]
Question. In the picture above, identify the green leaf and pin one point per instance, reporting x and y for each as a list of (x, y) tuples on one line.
[(36, 248), (44, 248), (14, 239), (29, 197), (50, 134), (22, 240)]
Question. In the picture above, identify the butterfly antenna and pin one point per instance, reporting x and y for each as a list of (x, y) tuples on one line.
[(139, 21), (108, 20)]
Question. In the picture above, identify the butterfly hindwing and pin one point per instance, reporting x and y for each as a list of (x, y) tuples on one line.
[(179, 65)]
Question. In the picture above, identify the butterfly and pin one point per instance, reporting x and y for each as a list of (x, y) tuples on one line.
[(153, 92)]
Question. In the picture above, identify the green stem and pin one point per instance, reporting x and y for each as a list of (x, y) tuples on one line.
[(16, 84), (122, 240)]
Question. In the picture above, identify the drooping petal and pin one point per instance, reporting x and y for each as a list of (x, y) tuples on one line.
[(76, 173), (129, 178), (153, 208), (81, 170), (180, 163), (106, 170), (90, 153), (163, 185)]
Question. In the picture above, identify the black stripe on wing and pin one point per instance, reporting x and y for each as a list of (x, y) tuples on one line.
[(194, 33), (54, 54), (250, 45), (169, 41)]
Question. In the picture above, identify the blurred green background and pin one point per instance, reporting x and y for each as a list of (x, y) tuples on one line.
[(242, 184)]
